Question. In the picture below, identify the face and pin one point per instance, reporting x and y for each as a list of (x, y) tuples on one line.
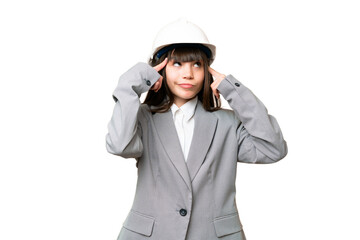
[(185, 80)]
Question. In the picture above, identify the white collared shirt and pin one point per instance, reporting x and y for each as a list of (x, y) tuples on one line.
[(184, 123)]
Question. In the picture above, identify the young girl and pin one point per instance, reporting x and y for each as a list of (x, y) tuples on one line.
[(185, 145)]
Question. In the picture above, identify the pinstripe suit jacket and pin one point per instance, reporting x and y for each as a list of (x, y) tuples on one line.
[(193, 200)]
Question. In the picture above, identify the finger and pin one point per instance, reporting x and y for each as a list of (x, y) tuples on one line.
[(161, 65), (218, 76), (215, 90), (154, 86), (213, 72), (159, 83), (216, 93), (157, 87)]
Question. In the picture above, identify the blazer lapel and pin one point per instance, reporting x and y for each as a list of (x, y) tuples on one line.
[(204, 129), (165, 127)]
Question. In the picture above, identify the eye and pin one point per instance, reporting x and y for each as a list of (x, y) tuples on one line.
[(198, 64), (176, 63)]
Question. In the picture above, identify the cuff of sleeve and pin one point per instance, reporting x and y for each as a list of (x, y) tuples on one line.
[(151, 75), (138, 79), (228, 84)]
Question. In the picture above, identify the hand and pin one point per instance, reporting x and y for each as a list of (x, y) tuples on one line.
[(157, 84), (218, 77)]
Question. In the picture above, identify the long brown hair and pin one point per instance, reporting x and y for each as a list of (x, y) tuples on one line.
[(164, 98)]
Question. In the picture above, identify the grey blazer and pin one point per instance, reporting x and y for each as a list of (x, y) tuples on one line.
[(194, 199)]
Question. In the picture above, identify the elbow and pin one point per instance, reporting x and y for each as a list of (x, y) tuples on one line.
[(114, 148), (272, 156), (263, 154), (131, 150), (111, 148), (281, 152)]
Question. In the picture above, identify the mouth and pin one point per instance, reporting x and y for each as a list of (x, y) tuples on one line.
[(185, 85)]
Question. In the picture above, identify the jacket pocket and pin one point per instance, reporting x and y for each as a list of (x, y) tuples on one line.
[(227, 224), (139, 222)]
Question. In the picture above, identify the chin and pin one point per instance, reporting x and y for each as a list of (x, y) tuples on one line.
[(188, 97)]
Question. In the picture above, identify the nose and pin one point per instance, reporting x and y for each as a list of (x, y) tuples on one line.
[(188, 71)]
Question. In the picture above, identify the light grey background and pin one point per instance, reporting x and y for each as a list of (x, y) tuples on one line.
[(61, 60)]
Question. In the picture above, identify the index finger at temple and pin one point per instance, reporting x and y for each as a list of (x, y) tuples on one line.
[(161, 65), (211, 70)]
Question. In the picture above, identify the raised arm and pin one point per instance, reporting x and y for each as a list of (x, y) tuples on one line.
[(124, 130), (259, 136)]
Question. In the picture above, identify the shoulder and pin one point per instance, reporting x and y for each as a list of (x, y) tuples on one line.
[(144, 112), (144, 109)]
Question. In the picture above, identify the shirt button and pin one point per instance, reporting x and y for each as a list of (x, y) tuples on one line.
[(183, 212), (237, 84), (148, 82)]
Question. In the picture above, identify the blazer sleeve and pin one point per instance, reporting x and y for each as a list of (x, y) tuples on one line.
[(259, 136), (124, 129)]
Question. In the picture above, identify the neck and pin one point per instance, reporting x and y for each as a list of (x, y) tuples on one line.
[(179, 102)]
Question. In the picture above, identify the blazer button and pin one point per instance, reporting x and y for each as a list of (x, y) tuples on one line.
[(148, 82), (183, 212), (237, 84)]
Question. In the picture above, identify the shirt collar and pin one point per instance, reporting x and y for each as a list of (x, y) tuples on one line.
[(188, 108)]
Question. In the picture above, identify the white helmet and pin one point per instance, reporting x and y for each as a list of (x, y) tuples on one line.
[(182, 31)]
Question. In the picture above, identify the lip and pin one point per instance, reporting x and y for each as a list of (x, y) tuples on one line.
[(185, 85)]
